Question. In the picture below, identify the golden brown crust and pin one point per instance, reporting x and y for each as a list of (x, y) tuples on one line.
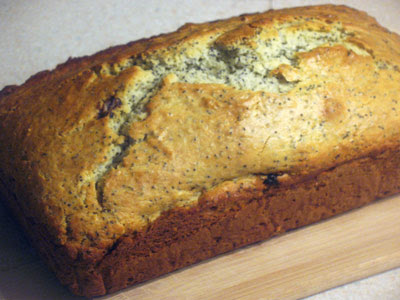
[(87, 162)]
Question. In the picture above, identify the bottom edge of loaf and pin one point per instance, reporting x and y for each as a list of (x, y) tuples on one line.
[(183, 236)]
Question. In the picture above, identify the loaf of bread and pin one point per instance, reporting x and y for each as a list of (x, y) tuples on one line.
[(152, 156)]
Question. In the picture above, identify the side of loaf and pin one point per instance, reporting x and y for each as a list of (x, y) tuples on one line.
[(148, 157)]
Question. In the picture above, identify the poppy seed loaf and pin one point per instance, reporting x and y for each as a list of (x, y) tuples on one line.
[(148, 157)]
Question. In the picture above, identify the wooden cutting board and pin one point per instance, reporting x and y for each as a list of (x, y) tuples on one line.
[(300, 263)]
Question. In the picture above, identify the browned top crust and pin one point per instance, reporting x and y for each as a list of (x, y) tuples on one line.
[(99, 147)]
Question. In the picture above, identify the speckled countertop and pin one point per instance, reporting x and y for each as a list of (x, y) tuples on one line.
[(37, 35)]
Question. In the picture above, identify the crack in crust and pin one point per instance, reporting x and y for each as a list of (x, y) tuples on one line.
[(243, 63)]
